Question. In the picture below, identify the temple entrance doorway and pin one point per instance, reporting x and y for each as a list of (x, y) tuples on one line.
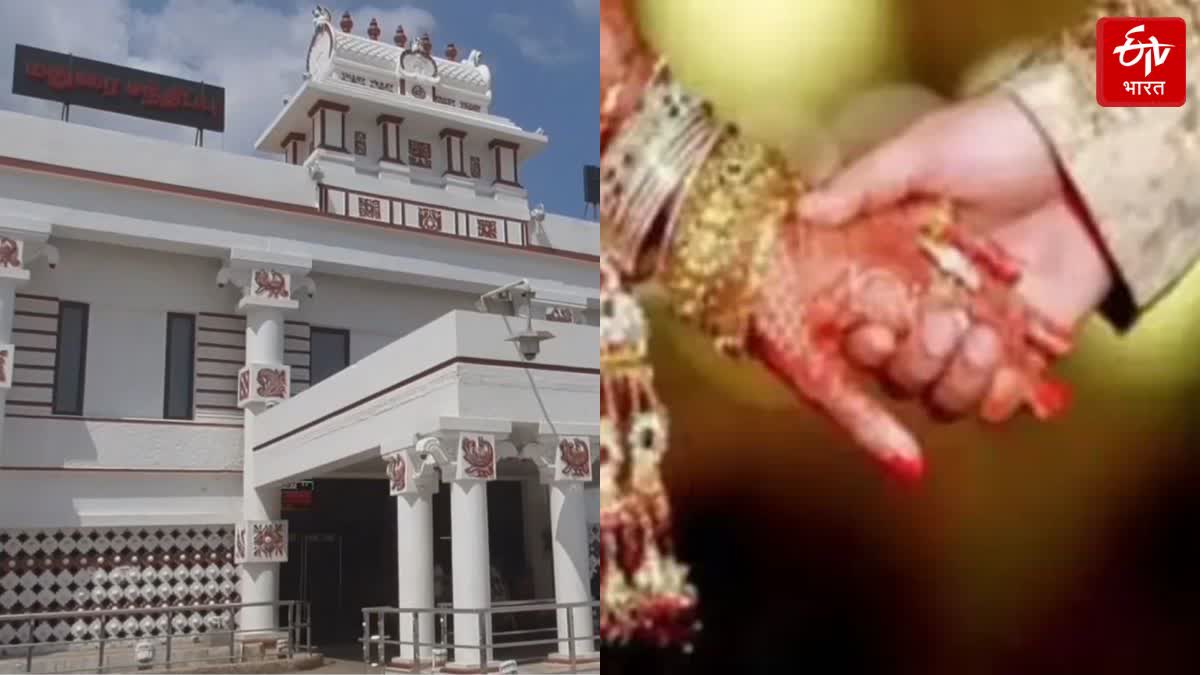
[(341, 554), (317, 579)]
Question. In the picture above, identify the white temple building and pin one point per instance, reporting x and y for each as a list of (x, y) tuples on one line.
[(228, 378)]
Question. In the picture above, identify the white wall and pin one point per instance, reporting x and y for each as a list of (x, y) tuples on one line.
[(376, 313), (32, 499), (129, 292), (70, 442), (591, 495)]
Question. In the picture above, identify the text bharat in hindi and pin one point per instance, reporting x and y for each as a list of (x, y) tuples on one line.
[(1138, 87)]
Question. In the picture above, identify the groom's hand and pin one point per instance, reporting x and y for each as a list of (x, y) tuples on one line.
[(989, 157)]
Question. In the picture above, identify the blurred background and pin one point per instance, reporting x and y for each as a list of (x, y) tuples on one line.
[(1064, 547)]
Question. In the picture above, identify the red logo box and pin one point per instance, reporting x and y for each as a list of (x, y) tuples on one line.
[(1141, 62)]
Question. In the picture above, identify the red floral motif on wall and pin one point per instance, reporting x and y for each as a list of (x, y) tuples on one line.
[(418, 91), (272, 383), (244, 385), (476, 168), (430, 219), (479, 456), (397, 474), (369, 208), (270, 283), (576, 458), (560, 314), (420, 154), (487, 228), (360, 143), (270, 541), (10, 253)]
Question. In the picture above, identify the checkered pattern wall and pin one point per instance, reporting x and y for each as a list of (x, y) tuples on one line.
[(48, 570)]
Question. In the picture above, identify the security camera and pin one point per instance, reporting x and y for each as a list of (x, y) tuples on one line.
[(51, 253), (309, 286), (529, 342)]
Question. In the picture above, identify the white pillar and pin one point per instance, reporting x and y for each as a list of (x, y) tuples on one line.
[(414, 549), (471, 560), (264, 334), (572, 571), (259, 581), (8, 299)]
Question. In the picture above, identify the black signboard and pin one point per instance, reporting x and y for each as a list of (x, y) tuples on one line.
[(94, 84), (297, 496), (591, 184)]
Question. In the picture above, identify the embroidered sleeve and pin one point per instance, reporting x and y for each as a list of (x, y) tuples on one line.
[(1137, 169)]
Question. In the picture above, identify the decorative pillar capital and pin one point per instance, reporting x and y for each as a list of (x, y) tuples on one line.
[(434, 447), (7, 356), (464, 455), (17, 254), (260, 541), (464, 452), (566, 458), (265, 384), (267, 280), (411, 472)]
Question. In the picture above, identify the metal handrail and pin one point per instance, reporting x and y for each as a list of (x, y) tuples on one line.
[(378, 642), (299, 617), (505, 603), (496, 609)]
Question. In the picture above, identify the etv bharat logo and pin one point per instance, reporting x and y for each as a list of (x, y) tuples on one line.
[(1141, 62), (1158, 55)]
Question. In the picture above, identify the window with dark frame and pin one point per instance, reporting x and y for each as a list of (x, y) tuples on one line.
[(70, 358), (329, 353), (179, 377)]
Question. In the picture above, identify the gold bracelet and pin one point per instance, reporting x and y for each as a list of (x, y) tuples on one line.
[(646, 164), (716, 261)]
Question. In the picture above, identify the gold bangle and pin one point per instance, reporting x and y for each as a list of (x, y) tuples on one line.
[(645, 165), (731, 212)]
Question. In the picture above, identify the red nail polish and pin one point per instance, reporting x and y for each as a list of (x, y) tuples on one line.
[(907, 469), (1051, 398)]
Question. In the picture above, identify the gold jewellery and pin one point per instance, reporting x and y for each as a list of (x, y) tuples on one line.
[(689, 202), (666, 139), (707, 198), (727, 226)]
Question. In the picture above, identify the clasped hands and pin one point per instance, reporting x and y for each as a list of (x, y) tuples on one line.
[(989, 157)]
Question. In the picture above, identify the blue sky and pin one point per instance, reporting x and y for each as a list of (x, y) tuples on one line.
[(543, 54)]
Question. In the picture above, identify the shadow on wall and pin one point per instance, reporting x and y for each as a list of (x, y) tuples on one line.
[(64, 473)]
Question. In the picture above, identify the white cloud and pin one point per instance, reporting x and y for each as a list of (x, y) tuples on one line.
[(541, 45), (586, 8), (256, 53)]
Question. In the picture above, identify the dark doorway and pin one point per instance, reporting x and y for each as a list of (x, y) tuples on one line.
[(314, 575), (342, 552), (512, 578), (342, 555)]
